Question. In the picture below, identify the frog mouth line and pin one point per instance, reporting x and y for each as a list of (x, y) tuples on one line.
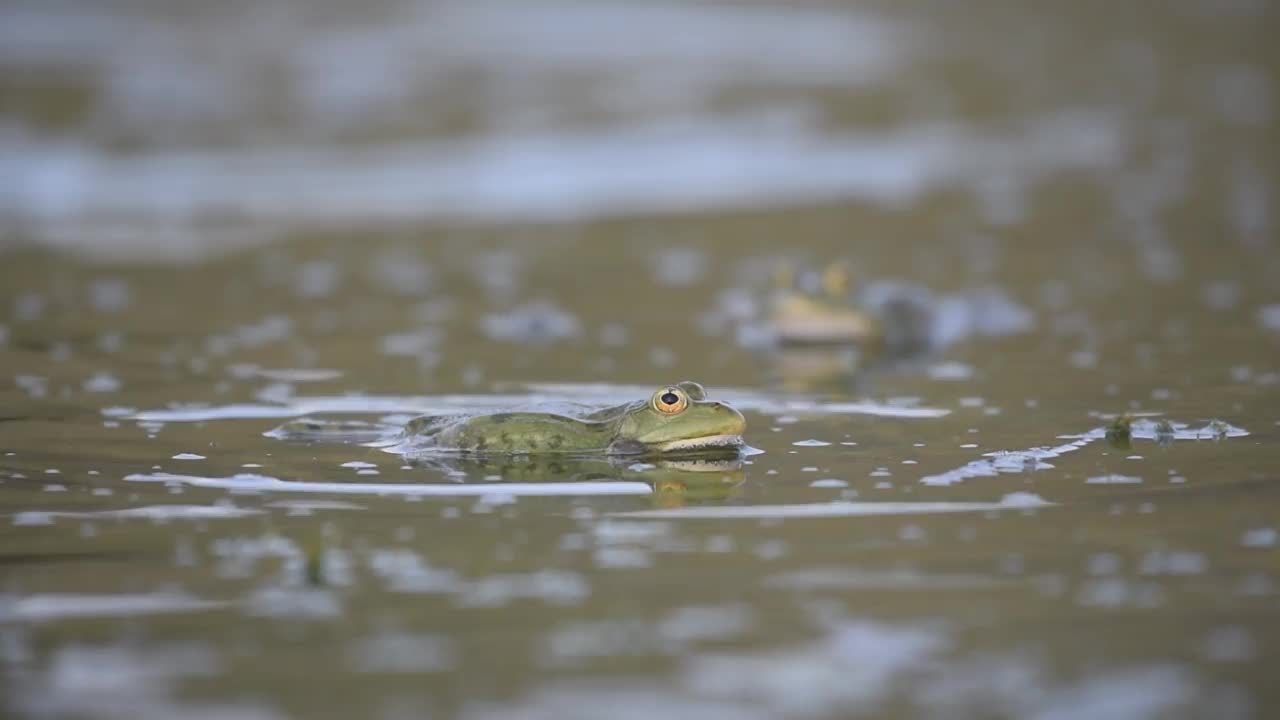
[(707, 441)]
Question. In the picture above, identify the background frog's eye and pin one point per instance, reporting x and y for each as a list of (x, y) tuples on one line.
[(835, 280), (670, 401)]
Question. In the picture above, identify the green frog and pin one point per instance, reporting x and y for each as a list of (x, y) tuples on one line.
[(676, 419)]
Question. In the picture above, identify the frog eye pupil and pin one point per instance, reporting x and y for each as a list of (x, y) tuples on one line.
[(669, 399)]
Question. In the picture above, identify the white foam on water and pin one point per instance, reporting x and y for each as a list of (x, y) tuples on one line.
[(49, 607), (1013, 501), (1114, 479), (304, 506), (293, 375), (266, 483), (895, 579), (151, 512), (1031, 459)]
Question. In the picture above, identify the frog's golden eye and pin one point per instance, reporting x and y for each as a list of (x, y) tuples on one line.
[(670, 400)]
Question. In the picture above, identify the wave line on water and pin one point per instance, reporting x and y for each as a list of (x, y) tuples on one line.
[(61, 606), (266, 483), (1013, 501), (152, 512)]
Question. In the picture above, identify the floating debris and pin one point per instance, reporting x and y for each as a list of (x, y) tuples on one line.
[(1119, 432), (1031, 459)]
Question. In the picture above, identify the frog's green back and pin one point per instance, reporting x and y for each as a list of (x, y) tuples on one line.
[(507, 433)]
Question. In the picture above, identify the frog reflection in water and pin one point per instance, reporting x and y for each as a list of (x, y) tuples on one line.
[(676, 419), (707, 478)]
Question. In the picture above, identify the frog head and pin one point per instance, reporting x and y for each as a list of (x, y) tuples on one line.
[(680, 418)]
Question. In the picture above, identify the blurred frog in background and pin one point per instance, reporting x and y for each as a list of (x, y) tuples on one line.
[(817, 308), (825, 330), (824, 308), (826, 333)]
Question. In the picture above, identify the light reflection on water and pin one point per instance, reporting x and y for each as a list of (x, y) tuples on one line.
[(720, 164), (177, 99)]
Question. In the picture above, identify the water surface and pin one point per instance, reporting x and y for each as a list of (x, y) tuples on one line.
[(216, 221)]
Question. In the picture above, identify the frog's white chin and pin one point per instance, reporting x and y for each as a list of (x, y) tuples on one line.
[(707, 441)]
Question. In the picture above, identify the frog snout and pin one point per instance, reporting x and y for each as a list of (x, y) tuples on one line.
[(732, 417)]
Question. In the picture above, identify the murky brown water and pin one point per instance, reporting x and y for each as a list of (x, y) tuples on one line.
[(215, 221)]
